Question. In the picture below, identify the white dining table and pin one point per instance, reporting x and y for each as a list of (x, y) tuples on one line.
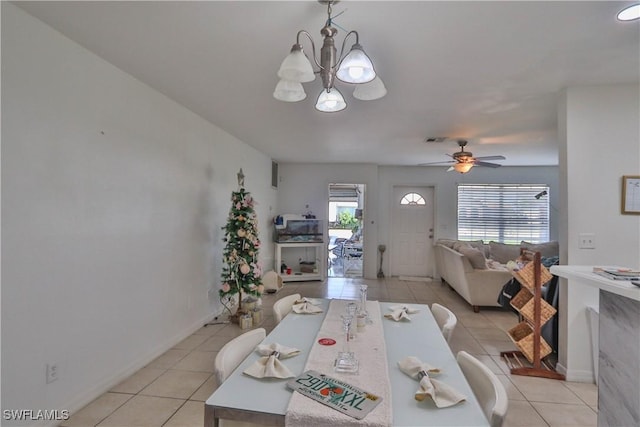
[(265, 401)]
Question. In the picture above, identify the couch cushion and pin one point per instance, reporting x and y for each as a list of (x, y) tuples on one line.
[(547, 249), (475, 257), (503, 252)]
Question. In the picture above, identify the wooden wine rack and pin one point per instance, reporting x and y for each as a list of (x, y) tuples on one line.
[(534, 312)]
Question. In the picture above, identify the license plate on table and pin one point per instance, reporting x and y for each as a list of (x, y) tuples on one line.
[(337, 394)]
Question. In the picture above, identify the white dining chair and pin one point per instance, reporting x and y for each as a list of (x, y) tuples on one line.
[(282, 307), (445, 319), (235, 351), (228, 359), (487, 388)]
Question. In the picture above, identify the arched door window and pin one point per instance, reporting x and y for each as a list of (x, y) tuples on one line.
[(412, 199)]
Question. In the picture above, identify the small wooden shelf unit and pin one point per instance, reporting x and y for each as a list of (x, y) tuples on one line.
[(534, 312)]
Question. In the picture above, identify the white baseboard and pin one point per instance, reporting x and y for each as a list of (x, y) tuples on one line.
[(578, 376)]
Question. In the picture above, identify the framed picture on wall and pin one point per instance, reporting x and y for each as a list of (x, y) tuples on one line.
[(631, 194)]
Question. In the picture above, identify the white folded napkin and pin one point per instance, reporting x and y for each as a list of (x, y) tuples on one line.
[(400, 312), (269, 365), (306, 306), (442, 394), (309, 300)]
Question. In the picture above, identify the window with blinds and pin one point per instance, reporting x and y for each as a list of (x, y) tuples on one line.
[(507, 213)]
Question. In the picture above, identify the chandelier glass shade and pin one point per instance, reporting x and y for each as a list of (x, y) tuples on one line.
[(296, 67), (375, 89), (354, 68), (289, 91), (330, 101)]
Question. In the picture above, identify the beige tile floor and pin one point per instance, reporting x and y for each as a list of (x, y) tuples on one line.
[(171, 390)]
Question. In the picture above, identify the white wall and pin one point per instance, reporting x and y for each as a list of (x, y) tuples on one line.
[(303, 185), (113, 199), (599, 136), (602, 145)]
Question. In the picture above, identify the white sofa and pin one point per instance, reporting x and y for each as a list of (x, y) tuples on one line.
[(478, 272), (477, 287)]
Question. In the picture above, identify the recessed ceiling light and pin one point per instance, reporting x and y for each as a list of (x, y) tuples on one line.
[(630, 13)]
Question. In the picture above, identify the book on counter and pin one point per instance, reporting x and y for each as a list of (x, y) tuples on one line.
[(617, 273)]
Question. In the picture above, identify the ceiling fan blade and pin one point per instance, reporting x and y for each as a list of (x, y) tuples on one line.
[(450, 169), (491, 158), (436, 163), (487, 164)]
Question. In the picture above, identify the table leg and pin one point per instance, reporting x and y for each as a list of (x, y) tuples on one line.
[(209, 417)]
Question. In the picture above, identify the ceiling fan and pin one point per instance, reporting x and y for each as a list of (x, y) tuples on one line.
[(463, 161)]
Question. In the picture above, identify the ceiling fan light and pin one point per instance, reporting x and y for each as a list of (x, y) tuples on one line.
[(330, 101), (462, 167), (296, 67), (375, 89), (289, 91), (356, 67)]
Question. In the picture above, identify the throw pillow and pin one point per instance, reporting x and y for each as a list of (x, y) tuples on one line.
[(459, 245), (503, 253), (475, 257), (479, 244), (547, 249)]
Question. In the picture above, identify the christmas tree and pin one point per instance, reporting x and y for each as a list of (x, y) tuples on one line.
[(241, 272)]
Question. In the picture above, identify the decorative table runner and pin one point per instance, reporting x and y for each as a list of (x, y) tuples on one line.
[(369, 349)]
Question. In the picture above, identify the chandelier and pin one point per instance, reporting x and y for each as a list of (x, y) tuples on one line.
[(355, 68)]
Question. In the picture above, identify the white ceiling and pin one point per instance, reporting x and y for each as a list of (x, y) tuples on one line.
[(490, 72)]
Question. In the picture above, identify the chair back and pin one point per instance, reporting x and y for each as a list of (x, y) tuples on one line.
[(445, 319), (282, 307), (235, 351), (487, 388)]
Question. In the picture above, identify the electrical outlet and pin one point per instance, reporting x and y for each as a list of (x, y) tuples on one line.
[(52, 372), (587, 241)]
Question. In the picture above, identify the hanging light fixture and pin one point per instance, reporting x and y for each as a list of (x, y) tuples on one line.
[(355, 67), (463, 167)]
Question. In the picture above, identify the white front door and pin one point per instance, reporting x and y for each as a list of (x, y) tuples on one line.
[(412, 232)]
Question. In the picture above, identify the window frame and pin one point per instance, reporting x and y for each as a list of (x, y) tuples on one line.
[(505, 213)]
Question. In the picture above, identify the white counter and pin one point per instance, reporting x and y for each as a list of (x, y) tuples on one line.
[(585, 275), (619, 342)]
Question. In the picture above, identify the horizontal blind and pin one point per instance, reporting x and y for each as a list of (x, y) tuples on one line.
[(507, 213)]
